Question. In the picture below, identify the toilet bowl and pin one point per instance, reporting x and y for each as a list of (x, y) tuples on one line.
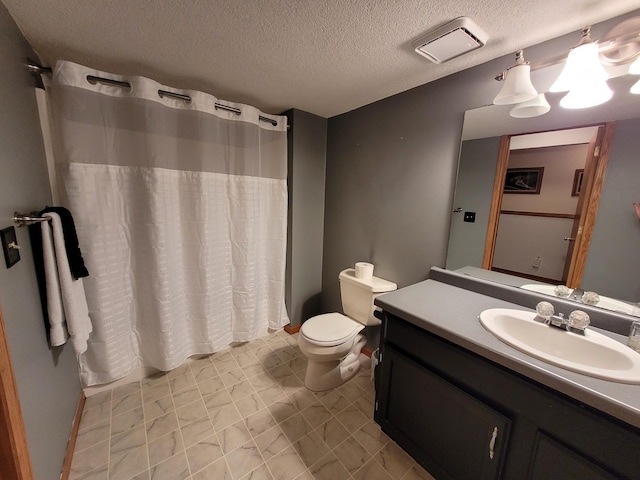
[(332, 342)]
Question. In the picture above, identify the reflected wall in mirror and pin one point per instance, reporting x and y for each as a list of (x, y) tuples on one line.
[(612, 262)]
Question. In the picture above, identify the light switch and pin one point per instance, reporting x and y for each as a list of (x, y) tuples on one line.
[(10, 246)]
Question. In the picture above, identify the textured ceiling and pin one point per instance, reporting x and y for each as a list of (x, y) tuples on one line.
[(324, 57)]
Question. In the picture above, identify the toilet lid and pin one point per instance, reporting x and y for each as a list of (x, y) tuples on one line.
[(330, 329)]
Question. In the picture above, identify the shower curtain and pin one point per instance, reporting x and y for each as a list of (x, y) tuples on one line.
[(181, 210)]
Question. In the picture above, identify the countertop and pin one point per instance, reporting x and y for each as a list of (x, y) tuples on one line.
[(452, 313)]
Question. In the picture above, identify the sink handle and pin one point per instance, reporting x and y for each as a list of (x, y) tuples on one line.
[(545, 311), (578, 321)]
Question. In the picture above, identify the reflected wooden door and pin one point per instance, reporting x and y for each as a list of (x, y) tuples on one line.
[(587, 205)]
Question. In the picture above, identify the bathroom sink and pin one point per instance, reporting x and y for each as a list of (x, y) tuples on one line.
[(593, 354)]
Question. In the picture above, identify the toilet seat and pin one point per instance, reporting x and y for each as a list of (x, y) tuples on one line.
[(330, 329)]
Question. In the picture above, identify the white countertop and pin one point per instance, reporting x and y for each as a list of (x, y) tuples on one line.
[(452, 313)]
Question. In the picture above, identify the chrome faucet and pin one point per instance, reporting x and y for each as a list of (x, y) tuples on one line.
[(576, 323)]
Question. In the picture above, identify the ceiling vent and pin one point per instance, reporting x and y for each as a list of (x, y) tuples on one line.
[(455, 38)]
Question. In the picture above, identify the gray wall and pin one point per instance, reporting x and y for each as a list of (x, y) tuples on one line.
[(613, 263), (474, 189), (306, 181), (47, 379)]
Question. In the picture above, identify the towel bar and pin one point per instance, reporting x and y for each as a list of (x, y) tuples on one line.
[(24, 219)]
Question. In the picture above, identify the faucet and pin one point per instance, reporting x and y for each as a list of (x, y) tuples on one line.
[(576, 323)]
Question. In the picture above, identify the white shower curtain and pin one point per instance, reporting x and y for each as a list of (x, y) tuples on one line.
[(181, 211)]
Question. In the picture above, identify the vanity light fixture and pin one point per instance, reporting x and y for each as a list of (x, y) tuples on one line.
[(517, 86), (583, 76), (634, 69), (533, 108)]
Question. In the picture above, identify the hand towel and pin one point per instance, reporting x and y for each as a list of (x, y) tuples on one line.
[(74, 301)]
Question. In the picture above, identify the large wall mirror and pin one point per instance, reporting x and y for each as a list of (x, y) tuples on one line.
[(535, 227)]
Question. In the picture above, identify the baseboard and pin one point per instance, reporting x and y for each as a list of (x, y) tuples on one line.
[(71, 445), (367, 351), (291, 329)]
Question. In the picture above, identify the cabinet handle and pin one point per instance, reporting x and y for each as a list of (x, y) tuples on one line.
[(492, 443)]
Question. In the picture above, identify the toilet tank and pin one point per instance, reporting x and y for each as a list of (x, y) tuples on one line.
[(358, 295)]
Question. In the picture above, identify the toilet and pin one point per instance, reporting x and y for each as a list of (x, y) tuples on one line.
[(332, 342)]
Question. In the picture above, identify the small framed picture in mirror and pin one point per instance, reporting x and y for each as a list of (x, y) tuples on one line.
[(577, 182), (523, 180)]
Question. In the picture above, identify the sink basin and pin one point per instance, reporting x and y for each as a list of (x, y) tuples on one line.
[(593, 354)]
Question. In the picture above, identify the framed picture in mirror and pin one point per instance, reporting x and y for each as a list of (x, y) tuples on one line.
[(577, 182), (523, 180)]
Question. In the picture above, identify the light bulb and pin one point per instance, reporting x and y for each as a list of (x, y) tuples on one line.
[(583, 64), (587, 94), (634, 68), (635, 89)]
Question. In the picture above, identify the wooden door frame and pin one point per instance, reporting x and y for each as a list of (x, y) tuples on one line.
[(595, 174), (14, 451)]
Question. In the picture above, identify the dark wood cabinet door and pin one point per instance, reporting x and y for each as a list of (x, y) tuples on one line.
[(552, 459), (449, 432)]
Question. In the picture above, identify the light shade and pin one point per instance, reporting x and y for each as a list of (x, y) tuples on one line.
[(517, 86), (533, 108), (634, 68), (635, 88), (587, 94), (583, 64)]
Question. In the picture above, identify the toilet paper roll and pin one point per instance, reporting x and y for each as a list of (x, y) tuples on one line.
[(364, 270)]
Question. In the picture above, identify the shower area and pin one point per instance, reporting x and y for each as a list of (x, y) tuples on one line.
[(180, 207)]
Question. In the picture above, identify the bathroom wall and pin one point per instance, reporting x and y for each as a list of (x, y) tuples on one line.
[(614, 270), (47, 379), (391, 170), (307, 151), (474, 188)]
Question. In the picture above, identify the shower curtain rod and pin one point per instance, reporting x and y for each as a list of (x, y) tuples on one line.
[(35, 68)]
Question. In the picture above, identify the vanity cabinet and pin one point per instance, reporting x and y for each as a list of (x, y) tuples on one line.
[(462, 416)]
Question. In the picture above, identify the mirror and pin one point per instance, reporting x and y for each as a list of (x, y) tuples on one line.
[(613, 257)]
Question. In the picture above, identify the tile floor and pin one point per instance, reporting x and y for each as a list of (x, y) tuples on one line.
[(239, 414)]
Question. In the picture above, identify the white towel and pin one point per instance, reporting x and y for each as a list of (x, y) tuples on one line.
[(58, 334), (70, 292)]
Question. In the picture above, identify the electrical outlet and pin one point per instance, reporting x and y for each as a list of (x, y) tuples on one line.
[(537, 261), (10, 246), (470, 217)]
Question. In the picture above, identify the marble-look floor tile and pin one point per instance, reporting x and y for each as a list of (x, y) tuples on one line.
[(295, 427), (372, 470), (282, 409), (272, 442), (211, 385), (196, 431), (259, 422), (161, 425), (126, 403), (249, 405), (394, 460), (260, 473), (352, 455), (126, 421), (165, 447), (128, 440), (329, 468), (157, 408), (218, 470), (89, 459), (124, 390), (128, 464), (372, 437), (95, 415), (204, 453), (311, 448), (174, 468), (93, 434), (233, 436), (244, 459), (352, 418), (333, 433), (418, 473), (286, 465), (152, 393), (316, 414), (97, 399), (191, 412)]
